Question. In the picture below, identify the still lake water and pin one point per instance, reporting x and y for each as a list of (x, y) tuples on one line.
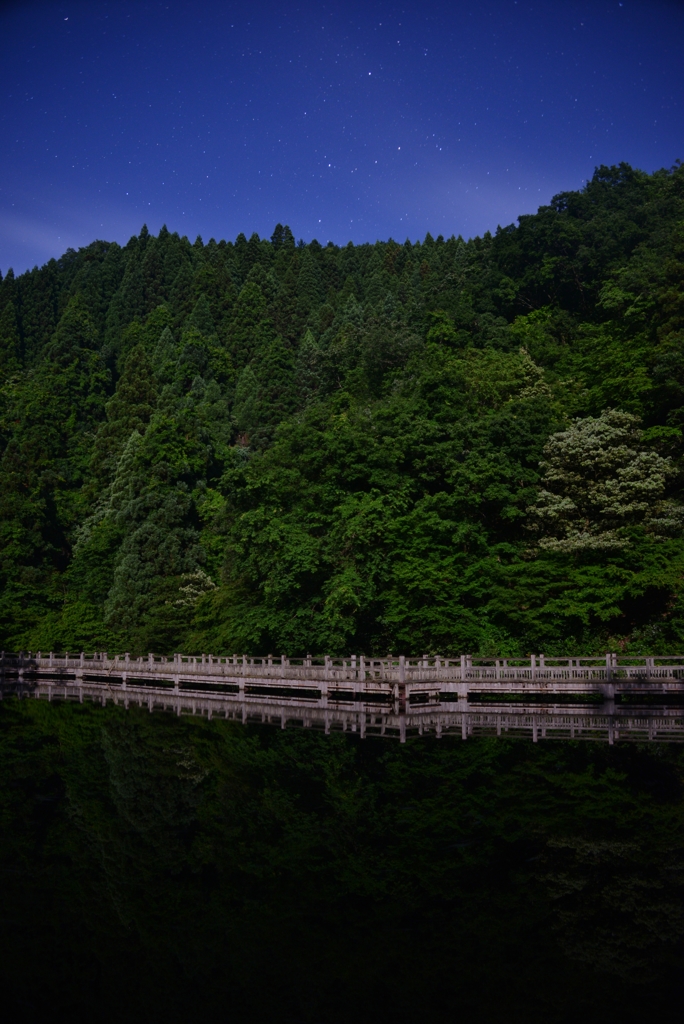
[(156, 868)]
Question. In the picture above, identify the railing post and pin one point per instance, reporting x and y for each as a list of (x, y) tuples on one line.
[(608, 687), (463, 668), (401, 690), (533, 668)]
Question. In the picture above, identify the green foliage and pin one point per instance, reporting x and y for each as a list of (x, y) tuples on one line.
[(599, 479), (432, 447), (10, 342), (128, 410)]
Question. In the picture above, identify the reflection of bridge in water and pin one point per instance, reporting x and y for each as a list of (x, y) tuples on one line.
[(612, 698)]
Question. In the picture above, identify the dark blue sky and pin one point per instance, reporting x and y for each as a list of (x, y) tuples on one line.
[(346, 120)]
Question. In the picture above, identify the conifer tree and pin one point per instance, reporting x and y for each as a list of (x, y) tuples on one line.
[(10, 342), (201, 318), (128, 410), (250, 329)]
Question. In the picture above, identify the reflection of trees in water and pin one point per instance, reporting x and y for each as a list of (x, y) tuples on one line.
[(188, 866), (154, 786), (618, 906)]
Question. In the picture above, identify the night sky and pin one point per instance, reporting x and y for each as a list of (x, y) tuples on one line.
[(344, 120)]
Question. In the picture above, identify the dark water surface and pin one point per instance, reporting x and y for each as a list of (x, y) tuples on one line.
[(162, 869)]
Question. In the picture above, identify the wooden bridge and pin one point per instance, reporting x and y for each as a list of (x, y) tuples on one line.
[(611, 698)]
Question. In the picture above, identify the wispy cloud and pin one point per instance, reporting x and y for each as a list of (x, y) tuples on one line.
[(469, 200), (27, 239)]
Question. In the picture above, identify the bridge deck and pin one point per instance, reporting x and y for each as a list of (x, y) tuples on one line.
[(383, 696), (428, 677)]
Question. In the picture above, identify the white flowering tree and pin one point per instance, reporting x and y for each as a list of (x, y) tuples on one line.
[(600, 478)]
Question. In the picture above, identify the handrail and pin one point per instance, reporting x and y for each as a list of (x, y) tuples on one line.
[(373, 671)]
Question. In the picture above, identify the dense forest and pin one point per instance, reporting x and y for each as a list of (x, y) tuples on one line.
[(271, 446)]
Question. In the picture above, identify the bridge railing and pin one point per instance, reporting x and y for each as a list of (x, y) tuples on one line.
[(428, 670)]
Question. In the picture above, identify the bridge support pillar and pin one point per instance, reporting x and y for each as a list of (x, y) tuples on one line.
[(608, 691)]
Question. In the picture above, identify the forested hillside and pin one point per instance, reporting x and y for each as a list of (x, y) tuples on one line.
[(266, 446)]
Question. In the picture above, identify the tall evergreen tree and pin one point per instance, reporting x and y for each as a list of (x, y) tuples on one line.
[(10, 341), (128, 410)]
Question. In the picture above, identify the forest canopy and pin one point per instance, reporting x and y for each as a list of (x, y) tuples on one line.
[(271, 446)]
